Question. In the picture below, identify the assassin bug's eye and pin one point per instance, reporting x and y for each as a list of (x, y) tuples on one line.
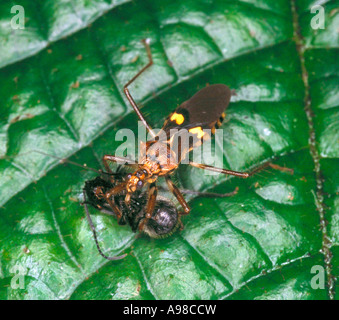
[(138, 174), (129, 176), (139, 184)]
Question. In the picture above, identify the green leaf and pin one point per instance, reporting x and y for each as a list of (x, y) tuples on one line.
[(61, 93)]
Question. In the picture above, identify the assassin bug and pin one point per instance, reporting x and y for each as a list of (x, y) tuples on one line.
[(205, 110)]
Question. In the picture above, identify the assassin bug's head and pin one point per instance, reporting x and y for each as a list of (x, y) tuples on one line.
[(135, 182)]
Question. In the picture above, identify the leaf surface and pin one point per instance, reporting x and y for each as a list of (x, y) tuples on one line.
[(61, 93)]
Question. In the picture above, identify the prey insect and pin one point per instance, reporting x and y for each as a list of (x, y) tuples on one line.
[(204, 111), (163, 223)]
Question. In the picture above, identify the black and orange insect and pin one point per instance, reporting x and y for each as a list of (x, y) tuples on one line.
[(205, 110)]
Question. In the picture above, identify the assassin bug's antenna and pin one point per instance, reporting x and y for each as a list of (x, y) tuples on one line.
[(61, 160)]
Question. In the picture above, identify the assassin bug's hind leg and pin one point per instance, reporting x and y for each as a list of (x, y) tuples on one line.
[(238, 173)]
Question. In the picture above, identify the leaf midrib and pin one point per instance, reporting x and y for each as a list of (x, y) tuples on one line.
[(319, 201)]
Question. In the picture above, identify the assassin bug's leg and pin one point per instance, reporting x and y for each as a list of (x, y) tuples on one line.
[(152, 196), (129, 96), (205, 194), (283, 169), (237, 173), (178, 195), (210, 194), (95, 234)]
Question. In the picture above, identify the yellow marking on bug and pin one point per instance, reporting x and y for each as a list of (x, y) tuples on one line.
[(198, 131), (178, 118)]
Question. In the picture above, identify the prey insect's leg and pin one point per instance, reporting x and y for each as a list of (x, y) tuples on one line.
[(237, 173), (89, 219), (152, 196), (129, 96), (108, 196), (178, 195), (118, 188)]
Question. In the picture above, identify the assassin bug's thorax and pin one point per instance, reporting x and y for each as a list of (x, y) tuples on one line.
[(156, 159)]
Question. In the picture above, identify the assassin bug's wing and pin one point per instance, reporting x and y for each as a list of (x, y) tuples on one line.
[(205, 109)]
